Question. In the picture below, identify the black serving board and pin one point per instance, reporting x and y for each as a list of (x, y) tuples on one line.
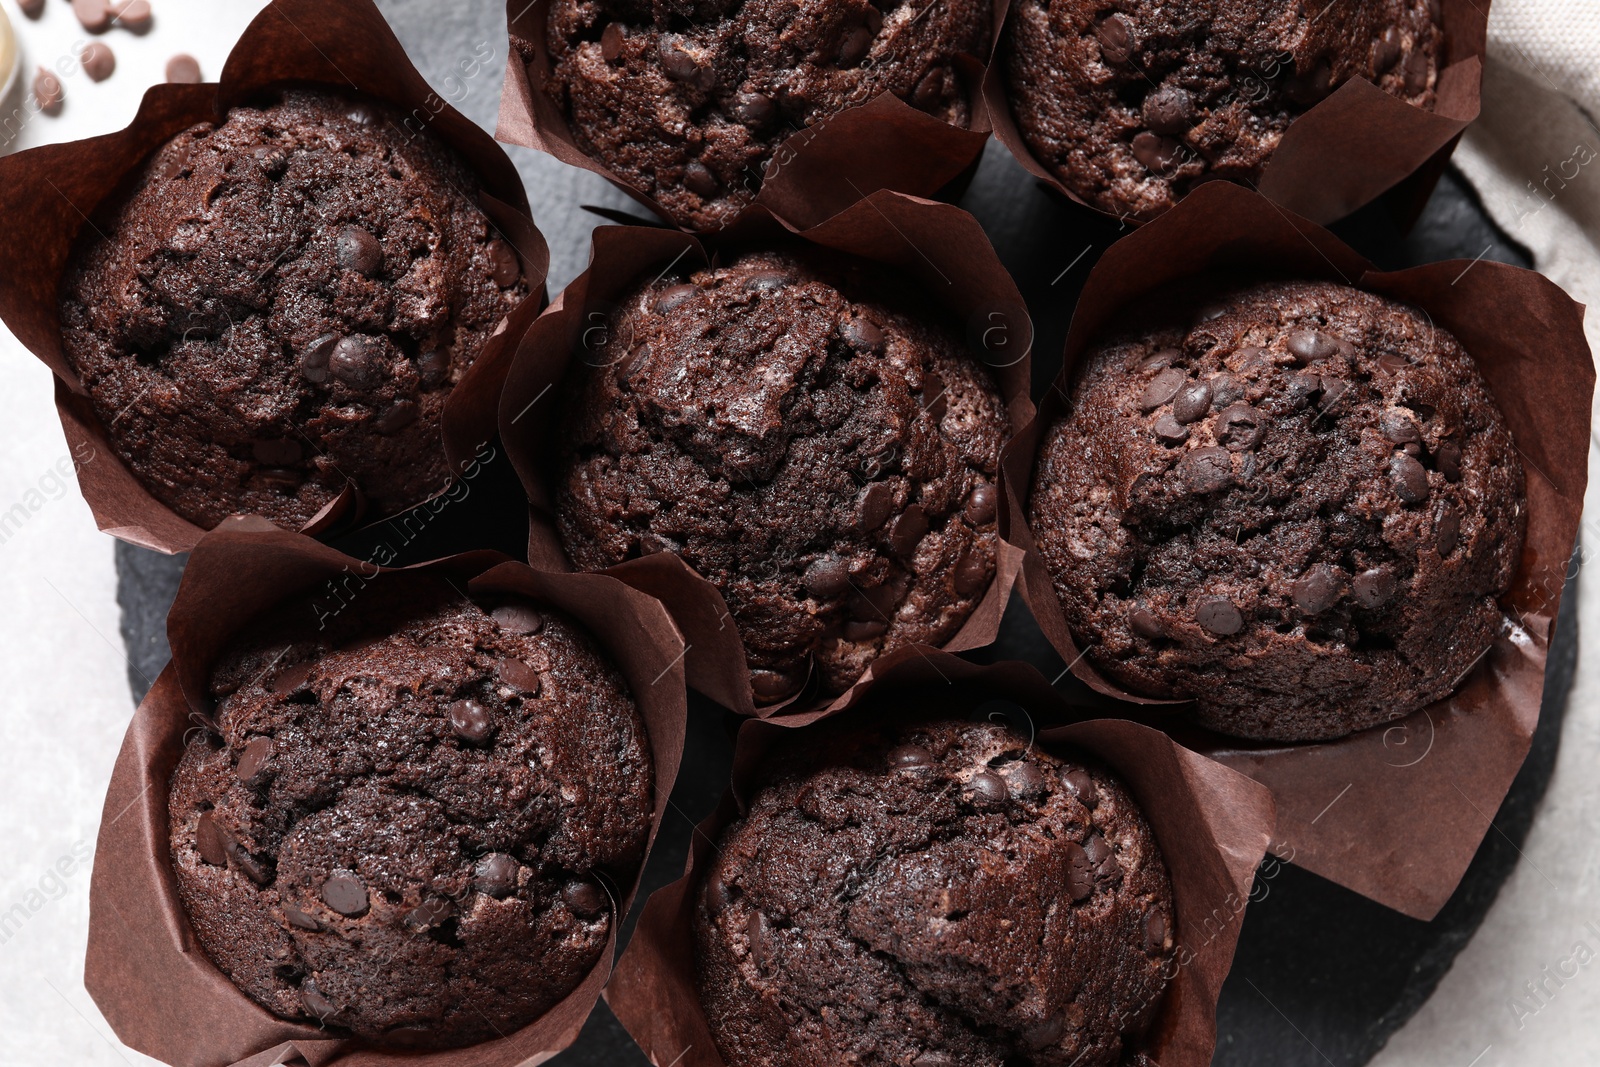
[(1322, 976)]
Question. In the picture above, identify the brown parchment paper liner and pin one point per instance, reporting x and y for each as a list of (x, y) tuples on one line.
[(1212, 826), (48, 194), (1395, 812), (882, 144), (940, 246), (1350, 147), (156, 987)]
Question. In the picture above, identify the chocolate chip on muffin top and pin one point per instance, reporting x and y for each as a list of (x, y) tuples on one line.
[(281, 305), (811, 440), (1296, 506)]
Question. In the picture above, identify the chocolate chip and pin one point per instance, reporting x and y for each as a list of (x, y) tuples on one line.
[(98, 61), (94, 15), (428, 914), (47, 92), (1415, 71), (988, 789), (273, 160), (876, 502), (981, 504), (1081, 785), (1225, 390), (972, 573), (397, 418), (1169, 431), (359, 251), (1373, 588), (290, 679), (1206, 470), (755, 932), (585, 899), (253, 761), (1169, 110), (252, 868), (1192, 401), (699, 180), (1318, 589), (504, 265), (826, 577), (276, 452), (345, 894), (300, 919), (183, 69), (354, 360), (495, 875), (518, 618), (1099, 852), (674, 296), (1220, 616), (1144, 622), (519, 675), (1080, 872), (719, 894), (1156, 360), (1155, 933), (1447, 530), (611, 42), (314, 357), (433, 366), (909, 758), (1239, 427), (864, 629), (1333, 391), (1398, 429), (470, 721), (766, 281), (1386, 51), (682, 65), (770, 687), (1303, 385), (862, 334), (907, 531), (211, 841), (1162, 388), (930, 89), (1447, 457), (1157, 153), (1024, 780), (853, 49), (1409, 477), (934, 1058), (1308, 346), (1116, 40), (753, 109), (1392, 363), (321, 1008)]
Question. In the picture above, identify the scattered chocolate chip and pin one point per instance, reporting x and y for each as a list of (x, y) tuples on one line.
[(853, 49), (719, 894), (1157, 153), (1447, 457), (359, 251), (972, 573), (1169, 110), (826, 577), (988, 789), (504, 265), (1025, 780), (1392, 363), (1156, 360), (1333, 391), (1373, 588), (98, 61), (1206, 470), (290, 678), (934, 1058), (1303, 385), (699, 180), (876, 501), (470, 721), (585, 899), (906, 532), (930, 89), (1308, 346), (344, 893), (1225, 390), (684, 66), (518, 618), (1144, 622), (94, 15), (1220, 616), (862, 334), (495, 875), (183, 69), (611, 42), (397, 418), (674, 296), (864, 629), (982, 503), (251, 867), (1192, 401), (314, 357), (211, 841), (1116, 40), (1081, 785), (1080, 872), (769, 687), (1415, 71), (354, 360), (909, 758), (1100, 854), (753, 109), (253, 761), (321, 1008), (1409, 477), (755, 932), (1155, 933), (1386, 51), (766, 281), (1447, 530), (274, 160), (277, 451), (433, 367), (1318, 589), (47, 92), (300, 919), (520, 676), (1239, 427), (1162, 388), (428, 914), (1398, 429), (1169, 431)]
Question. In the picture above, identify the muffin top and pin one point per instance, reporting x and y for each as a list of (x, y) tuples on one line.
[(280, 305), (1295, 505), (690, 102), (933, 894), (411, 825), (806, 436), (1131, 103)]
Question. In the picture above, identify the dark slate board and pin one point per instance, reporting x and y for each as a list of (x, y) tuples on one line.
[(1322, 977)]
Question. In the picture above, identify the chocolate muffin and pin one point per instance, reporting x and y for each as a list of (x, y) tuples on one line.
[(1295, 507), (690, 103), (280, 305), (811, 439), (936, 894), (1131, 103), (410, 825)]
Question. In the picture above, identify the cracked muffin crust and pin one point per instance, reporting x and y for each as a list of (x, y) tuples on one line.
[(410, 826), (688, 102), (281, 304), (1296, 506), (934, 894), (1131, 103), (809, 438)]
